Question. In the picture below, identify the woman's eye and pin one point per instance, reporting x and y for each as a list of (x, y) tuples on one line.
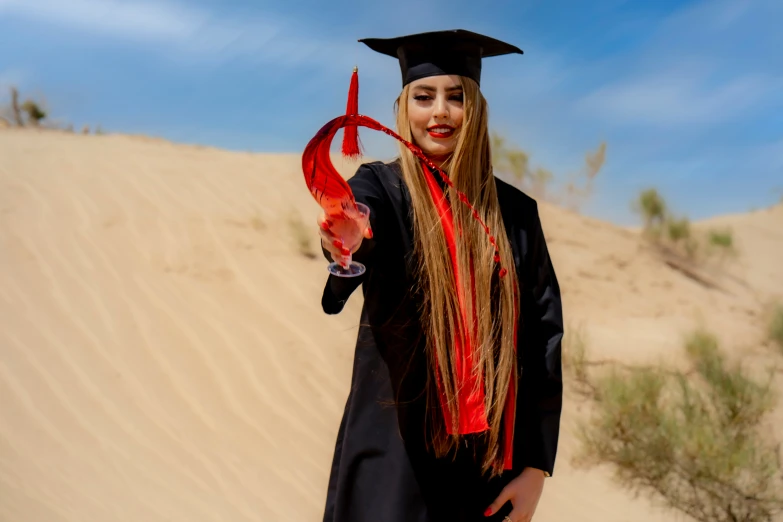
[(421, 97), (457, 97)]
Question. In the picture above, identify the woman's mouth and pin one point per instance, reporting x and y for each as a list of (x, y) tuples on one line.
[(441, 131)]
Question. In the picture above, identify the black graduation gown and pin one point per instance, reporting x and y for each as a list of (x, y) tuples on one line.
[(381, 471)]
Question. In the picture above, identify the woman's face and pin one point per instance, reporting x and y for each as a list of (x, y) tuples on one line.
[(435, 112)]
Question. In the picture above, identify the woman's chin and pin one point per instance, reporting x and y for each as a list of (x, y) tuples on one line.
[(437, 150)]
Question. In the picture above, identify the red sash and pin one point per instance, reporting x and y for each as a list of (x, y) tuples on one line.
[(470, 384)]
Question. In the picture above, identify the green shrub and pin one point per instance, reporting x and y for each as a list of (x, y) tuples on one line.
[(721, 238), (34, 113), (691, 440), (652, 207), (575, 354), (776, 326), (678, 229)]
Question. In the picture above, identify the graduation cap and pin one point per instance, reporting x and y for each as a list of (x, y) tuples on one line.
[(440, 52), (421, 55)]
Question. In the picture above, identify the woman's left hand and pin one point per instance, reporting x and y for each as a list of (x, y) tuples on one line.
[(524, 493)]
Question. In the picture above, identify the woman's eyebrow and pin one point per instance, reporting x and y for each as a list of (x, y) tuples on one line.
[(433, 89)]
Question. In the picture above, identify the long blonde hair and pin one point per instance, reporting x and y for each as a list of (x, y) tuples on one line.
[(470, 170)]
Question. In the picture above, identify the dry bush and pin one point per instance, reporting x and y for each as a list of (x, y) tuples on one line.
[(302, 236), (652, 207), (34, 110), (580, 186), (513, 163), (17, 112), (722, 238), (678, 229), (575, 357), (35, 114), (697, 255), (776, 326), (692, 440)]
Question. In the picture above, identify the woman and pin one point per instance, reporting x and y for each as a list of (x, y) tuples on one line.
[(447, 419)]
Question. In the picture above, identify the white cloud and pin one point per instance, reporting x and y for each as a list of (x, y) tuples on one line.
[(709, 15), (677, 97), (146, 21), (694, 69), (168, 26)]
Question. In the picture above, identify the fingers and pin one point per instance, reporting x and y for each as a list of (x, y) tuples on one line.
[(325, 225), (504, 497), (343, 261), (329, 241), (334, 246)]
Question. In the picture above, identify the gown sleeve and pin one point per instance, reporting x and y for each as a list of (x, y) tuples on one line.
[(540, 395), (367, 189)]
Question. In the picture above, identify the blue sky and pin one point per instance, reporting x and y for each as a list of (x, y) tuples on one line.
[(687, 95)]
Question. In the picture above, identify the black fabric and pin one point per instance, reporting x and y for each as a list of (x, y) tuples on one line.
[(381, 471), (440, 52)]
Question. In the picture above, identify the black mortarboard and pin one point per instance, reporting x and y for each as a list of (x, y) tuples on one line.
[(440, 52)]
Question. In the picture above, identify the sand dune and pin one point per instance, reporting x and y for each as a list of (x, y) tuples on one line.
[(165, 357)]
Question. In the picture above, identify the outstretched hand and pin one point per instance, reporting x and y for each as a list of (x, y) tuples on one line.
[(524, 493), (336, 244)]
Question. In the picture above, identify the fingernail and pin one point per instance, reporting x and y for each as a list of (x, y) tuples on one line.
[(346, 252), (337, 243), (325, 225), (488, 512), (370, 232)]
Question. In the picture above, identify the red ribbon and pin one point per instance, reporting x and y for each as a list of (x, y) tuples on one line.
[(470, 384)]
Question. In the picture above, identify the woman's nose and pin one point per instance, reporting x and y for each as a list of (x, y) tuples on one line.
[(441, 109)]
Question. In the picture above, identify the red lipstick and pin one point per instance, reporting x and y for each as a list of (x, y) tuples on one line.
[(441, 131)]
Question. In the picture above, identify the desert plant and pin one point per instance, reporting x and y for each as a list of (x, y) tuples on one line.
[(540, 179), (509, 160), (738, 400), (776, 326), (575, 356), (514, 163), (577, 192), (652, 207), (17, 112), (677, 243), (301, 235), (678, 229), (721, 238), (34, 113), (692, 441)]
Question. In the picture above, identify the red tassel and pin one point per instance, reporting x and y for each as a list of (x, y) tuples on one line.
[(351, 132)]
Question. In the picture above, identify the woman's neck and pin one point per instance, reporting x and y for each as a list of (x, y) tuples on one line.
[(438, 161)]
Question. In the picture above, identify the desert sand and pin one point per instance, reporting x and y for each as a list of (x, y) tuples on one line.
[(164, 356)]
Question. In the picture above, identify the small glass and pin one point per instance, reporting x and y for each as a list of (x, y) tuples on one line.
[(350, 230)]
